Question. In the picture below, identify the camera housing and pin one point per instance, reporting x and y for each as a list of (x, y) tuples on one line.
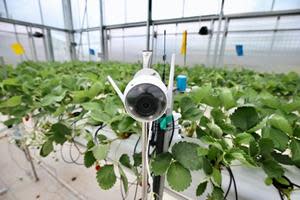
[(145, 96)]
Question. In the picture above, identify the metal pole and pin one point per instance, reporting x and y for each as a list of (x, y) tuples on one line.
[(274, 35), (68, 20), (43, 31), (272, 5), (6, 9), (50, 45), (27, 155), (218, 35), (102, 39), (209, 43), (223, 43), (149, 21), (145, 128)]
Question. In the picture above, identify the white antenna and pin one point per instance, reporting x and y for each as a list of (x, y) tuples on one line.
[(116, 88), (171, 81)]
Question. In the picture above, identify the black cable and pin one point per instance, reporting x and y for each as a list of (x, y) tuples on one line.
[(173, 130), (229, 186), (96, 133), (281, 197), (63, 157), (136, 144), (71, 156), (234, 183)]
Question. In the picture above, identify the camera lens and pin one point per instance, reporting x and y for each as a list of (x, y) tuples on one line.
[(146, 105), (146, 101)]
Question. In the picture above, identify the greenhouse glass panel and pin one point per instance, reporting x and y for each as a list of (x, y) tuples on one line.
[(286, 4), (7, 38), (85, 15), (52, 13), (136, 10), (93, 13), (60, 46), (265, 23), (82, 48), (24, 40), (201, 7), (114, 11), (24, 10), (2, 9), (39, 46), (289, 22), (167, 9), (134, 43), (238, 6), (95, 45)]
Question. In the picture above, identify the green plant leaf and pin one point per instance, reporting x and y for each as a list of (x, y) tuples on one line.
[(60, 131), (186, 154), (217, 193), (100, 151), (253, 148), (100, 116), (11, 102), (47, 148), (161, 163), (207, 166), (125, 124), (89, 159), (272, 168), (295, 149), (244, 138), (281, 158), (279, 138), (202, 151), (227, 99), (175, 171), (216, 130), (106, 177), (92, 106), (266, 146), (281, 123), (216, 177), (124, 179), (244, 118), (201, 188), (137, 159), (125, 161)]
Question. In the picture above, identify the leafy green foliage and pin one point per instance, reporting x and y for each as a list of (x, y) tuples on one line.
[(201, 188), (244, 118), (161, 163), (239, 115), (89, 159), (100, 151), (175, 171), (186, 154), (106, 177)]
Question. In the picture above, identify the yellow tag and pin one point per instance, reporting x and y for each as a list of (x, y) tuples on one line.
[(183, 43), (18, 48)]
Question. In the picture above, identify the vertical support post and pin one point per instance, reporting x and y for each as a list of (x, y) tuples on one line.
[(43, 31), (274, 34), (149, 22), (102, 33), (31, 42), (209, 42), (272, 5), (28, 156), (6, 9), (223, 43), (68, 20), (145, 130), (218, 34), (50, 45)]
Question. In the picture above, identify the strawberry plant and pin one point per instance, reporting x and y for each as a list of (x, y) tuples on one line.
[(230, 117)]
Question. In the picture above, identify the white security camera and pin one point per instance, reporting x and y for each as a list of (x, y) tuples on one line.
[(145, 97)]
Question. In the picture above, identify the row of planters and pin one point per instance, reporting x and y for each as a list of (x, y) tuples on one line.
[(240, 116)]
